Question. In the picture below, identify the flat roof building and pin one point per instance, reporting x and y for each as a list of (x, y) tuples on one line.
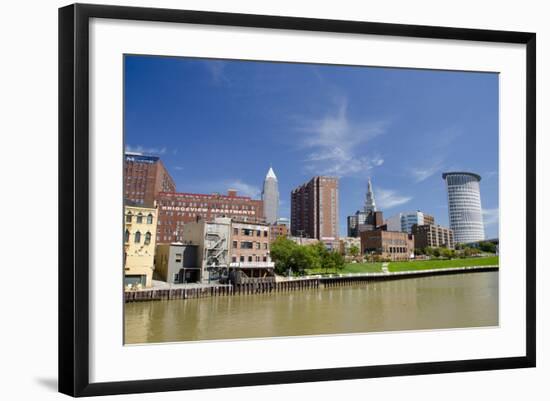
[(388, 245), (314, 209), (250, 250), (213, 239), (433, 236), (178, 209), (144, 178), (176, 263)]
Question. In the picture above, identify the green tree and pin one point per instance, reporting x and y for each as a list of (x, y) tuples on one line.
[(487, 246), (447, 253), (281, 253), (303, 258), (354, 250), (336, 260)]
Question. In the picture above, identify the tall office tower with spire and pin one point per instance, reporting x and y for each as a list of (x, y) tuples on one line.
[(270, 196), (368, 219), (370, 204)]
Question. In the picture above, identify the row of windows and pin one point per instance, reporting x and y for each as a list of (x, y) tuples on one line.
[(249, 245), (393, 249), (137, 237), (209, 205), (249, 232), (139, 218)]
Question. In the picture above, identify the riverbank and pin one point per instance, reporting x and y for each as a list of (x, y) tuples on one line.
[(284, 284), (377, 267)]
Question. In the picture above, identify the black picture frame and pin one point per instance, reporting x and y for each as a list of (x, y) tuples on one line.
[(74, 198)]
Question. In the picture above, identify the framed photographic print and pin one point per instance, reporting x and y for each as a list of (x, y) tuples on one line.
[(254, 199)]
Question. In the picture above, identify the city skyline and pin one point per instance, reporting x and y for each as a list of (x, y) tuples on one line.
[(221, 124)]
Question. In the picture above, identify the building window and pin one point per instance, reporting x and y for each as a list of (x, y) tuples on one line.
[(265, 258), (127, 236), (265, 233), (234, 244), (241, 258), (129, 218), (139, 218), (265, 245), (236, 231), (246, 245), (178, 257), (250, 258), (234, 259), (258, 233), (258, 245), (147, 238), (137, 237), (149, 218)]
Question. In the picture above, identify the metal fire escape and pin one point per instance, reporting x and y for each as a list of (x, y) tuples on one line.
[(216, 251)]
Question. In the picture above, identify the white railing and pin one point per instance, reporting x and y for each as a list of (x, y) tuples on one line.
[(389, 273), (267, 265)]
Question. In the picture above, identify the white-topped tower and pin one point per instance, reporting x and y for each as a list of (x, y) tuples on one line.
[(465, 217), (270, 196), (370, 204)]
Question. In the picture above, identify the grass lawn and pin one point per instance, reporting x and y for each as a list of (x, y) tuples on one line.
[(352, 268), (411, 265), (441, 264)]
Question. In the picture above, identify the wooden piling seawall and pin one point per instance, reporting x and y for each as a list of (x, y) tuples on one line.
[(257, 286), (156, 294)]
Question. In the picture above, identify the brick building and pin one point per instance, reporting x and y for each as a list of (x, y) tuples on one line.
[(144, 178), (433, 236), (176, 209), (314, 210), (390, 245), (278, 230)]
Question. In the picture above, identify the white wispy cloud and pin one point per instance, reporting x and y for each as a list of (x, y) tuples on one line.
[(490, 174), (146, 150), (388, 198), (333, 140), (422, 173), (437, 143), (216, 68), (178, 168), (243, 188), (490, 216)]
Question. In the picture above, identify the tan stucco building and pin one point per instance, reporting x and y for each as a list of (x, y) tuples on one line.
[(140, 225)]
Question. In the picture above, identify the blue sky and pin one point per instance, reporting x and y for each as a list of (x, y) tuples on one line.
[(220, 124)]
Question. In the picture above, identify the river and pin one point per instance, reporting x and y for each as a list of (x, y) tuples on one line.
[(432, 302)]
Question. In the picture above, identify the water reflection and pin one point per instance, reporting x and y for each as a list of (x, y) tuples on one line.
[(448, 301)]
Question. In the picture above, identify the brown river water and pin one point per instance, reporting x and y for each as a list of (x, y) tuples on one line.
[(432, 302)]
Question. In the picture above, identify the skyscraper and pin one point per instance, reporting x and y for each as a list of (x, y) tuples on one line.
[(367, 219), (270, 196), (404, 221), (370, 204), (314, 209), (465, 217)]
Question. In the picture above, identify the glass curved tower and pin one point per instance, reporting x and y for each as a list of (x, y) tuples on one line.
[(465, 217)]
